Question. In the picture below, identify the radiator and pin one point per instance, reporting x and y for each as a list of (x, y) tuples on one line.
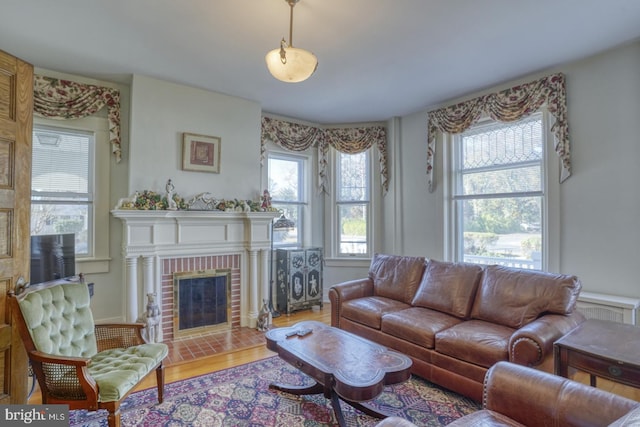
[(609, 307)]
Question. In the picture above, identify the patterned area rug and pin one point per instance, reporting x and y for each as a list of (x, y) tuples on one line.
[(241, 397)]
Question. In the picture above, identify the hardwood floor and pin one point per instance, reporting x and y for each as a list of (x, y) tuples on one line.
[(198, 356)]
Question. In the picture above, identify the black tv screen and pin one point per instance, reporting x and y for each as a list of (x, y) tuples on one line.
[(53, 256)]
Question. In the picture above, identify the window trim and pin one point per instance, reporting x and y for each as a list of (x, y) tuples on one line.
[(551, 166), (100, 164), (303, 204), (332, 238)]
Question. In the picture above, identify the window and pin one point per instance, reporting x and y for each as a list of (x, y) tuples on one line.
[(62, 192), (498, 196), (353, 204), (79, 153), (286, 177)]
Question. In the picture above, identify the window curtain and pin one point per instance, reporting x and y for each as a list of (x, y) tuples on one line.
[(297, 137), (64, 99), (506, 106)]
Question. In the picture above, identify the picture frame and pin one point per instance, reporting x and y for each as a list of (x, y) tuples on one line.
[(201, 153)]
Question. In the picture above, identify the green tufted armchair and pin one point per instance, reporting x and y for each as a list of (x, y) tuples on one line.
[(76, 362)]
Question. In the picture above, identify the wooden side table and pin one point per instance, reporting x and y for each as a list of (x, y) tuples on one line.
[(603, 349)]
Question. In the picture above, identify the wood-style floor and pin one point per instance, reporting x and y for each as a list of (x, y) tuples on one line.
[(208, 353), (198, 356)]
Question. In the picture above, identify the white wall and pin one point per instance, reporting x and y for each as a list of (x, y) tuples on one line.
[(162, 111), (600, 202)]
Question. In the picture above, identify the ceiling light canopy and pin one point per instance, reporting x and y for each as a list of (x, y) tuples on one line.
[(290, 64)]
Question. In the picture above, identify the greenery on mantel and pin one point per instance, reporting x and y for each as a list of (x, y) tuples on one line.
[(151, 200)]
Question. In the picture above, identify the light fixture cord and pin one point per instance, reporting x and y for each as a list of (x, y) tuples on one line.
[(291, 3)]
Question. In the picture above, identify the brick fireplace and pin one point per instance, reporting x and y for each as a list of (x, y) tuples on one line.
[(157, 245)]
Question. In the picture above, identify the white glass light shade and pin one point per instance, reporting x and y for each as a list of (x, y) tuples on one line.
[(299, 66)]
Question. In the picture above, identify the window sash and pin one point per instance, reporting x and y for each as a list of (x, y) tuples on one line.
[(53, 190), (352, 202), (530, 164), (293, 203)]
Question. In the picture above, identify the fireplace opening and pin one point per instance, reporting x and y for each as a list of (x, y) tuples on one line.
[(202, 301)]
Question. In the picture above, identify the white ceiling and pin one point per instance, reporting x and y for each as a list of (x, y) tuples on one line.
[(377, 58)]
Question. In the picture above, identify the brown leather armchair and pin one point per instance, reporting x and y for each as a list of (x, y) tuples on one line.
[(516, 395)]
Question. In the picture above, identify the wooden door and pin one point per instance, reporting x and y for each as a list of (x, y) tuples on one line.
[(16, 127)]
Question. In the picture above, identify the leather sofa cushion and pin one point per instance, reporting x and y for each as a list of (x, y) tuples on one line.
[(514, 297), (448, 287), (396, 277), (369, 310), (475, 341), (417, 325)]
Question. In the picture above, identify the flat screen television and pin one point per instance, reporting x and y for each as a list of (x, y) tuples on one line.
[(53, 256)]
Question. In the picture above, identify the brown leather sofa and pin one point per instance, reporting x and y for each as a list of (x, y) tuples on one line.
[(457, 320), (515, 395)]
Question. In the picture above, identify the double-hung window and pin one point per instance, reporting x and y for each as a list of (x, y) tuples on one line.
[(70, 185), (62, 187), (287, 183), (352, 204), (498, 198)]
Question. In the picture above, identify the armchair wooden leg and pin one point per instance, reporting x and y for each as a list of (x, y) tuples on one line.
[(113, 419), (160, 380)]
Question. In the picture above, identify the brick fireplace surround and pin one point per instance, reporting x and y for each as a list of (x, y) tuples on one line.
[(191, 264), (157, 244)]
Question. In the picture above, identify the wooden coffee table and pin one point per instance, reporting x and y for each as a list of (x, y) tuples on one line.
[(603, 349), (345, 366)]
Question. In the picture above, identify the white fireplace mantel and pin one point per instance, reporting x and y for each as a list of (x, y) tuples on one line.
[(154, 235)]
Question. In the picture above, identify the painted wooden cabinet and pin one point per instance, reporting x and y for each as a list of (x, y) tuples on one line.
[(298, 278)]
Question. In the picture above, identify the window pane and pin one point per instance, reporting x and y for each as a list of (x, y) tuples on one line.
[(286, 187), (288, 235), (60, 162), (352, 223), (504, 231), (284, 179), (503, 144), (503, 181), (62, 184), (353, 177), (61, 218)]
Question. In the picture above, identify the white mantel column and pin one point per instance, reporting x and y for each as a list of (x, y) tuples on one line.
[(132, 288), (265, 279), (253, 288)]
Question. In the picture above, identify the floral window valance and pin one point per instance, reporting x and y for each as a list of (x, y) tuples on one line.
[(506, 106), (298, 137), (64, 99)]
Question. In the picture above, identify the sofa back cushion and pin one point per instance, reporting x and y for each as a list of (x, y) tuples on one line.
[(514, 297), (396, 277), (448, 287)]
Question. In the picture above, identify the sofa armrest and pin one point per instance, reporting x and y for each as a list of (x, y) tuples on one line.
[(346, 291), (532, 344), (533, 397)]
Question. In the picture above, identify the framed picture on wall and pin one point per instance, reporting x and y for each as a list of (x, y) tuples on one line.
[(200, 153)]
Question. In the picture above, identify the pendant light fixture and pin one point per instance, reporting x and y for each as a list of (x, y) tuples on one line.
[(290, 64)]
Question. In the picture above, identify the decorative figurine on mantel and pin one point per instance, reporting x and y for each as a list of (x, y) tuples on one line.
[(171, 204), (266, 201)]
